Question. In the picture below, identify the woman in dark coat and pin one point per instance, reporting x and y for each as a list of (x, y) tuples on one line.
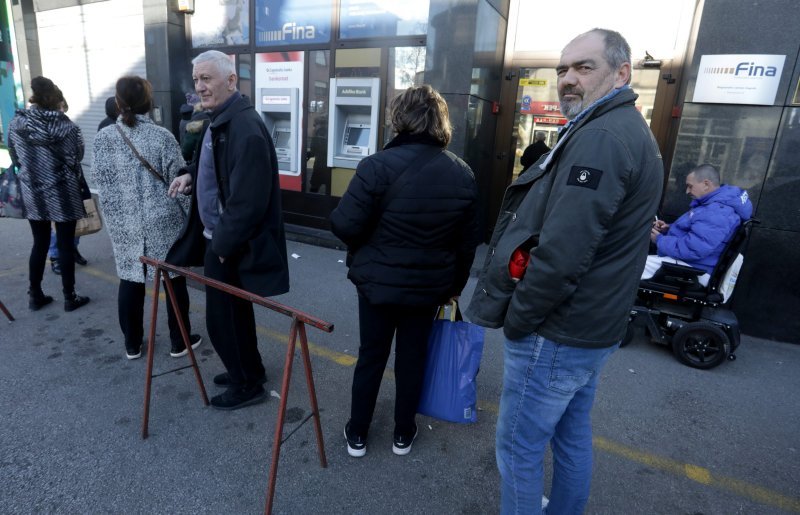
[(48, 148), (409, 219)]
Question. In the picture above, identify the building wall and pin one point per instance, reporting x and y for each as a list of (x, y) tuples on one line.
[(756, 147)]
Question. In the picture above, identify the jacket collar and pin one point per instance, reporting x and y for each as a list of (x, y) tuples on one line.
[(406, 138), (234, 106)]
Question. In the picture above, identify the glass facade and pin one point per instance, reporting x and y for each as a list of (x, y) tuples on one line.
[(736, 139), (287, 67), (382, 18)]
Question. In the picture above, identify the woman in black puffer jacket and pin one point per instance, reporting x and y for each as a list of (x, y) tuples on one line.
[(409, 219)]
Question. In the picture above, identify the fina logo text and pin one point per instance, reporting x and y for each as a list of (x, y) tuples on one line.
[(746, 69), (753, 70), (290, 31)]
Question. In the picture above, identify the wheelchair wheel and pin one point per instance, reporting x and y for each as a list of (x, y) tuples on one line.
[(701, 345), (630, 335)]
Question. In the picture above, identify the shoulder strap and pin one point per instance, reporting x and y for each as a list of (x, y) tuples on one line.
[(403, 178), (141, 158), (149, 167)]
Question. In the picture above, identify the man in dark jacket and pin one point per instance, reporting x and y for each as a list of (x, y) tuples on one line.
[(112, 111), (534, 151), (235, 228), (584, 214)]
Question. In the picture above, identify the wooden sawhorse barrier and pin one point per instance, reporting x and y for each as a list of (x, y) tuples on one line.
[(298, 328), (6, 312)]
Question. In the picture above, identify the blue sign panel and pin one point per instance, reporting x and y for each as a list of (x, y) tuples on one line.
[(293, 22)]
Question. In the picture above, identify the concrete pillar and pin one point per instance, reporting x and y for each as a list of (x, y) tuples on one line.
[(167, 58)]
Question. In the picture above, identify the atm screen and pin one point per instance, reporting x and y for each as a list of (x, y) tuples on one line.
[(357, 136), (281, 139)]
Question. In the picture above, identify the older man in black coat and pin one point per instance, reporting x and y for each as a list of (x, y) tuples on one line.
[(235, 228)]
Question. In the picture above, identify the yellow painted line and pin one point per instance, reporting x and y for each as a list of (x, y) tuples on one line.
[(694, 473), (700, 475)]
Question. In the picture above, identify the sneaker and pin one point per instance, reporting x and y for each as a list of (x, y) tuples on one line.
[(80, 260), (38, 300), (235, 398), (545, 502), (402, 444), (55, 266), (133, 352), (224, 379), (356, 445), (73, 302), (179, 349)]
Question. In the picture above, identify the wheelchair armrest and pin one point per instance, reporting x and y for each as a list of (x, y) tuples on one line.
[(678, 275), (681, 270)]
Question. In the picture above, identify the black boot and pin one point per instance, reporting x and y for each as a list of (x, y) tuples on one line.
[(80, 260), (37, 299), (73, 301)]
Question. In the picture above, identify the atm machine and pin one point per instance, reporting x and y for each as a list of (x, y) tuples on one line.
[(353, 122), (280, 110)]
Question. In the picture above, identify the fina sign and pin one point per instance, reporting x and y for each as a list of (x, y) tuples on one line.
[(738, 79)]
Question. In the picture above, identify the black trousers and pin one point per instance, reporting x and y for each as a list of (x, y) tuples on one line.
[(378, 325), (231, 324), (130, 307), (65, 236)]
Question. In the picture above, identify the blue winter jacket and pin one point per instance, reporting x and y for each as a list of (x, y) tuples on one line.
[(699, 236)]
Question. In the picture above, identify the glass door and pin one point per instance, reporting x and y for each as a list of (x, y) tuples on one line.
[(538, 112)]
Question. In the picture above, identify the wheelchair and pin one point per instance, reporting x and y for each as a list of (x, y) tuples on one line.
[(695, 320)]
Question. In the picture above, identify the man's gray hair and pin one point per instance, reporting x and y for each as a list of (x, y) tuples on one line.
[(539, 135), (706, 171), (221, 61), (618, 51)]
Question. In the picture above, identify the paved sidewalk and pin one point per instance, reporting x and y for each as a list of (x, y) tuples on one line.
[(669, 439)]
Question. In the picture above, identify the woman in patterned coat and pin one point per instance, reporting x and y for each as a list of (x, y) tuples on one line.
[(140, 217), (47, 148)]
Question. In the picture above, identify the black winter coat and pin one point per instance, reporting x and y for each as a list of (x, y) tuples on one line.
[(250, 227), (418, 248)]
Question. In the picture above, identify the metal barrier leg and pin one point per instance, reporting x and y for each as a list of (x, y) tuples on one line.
[(312, 394), (276, 444), (6, 312), (151, 347), (185, 335)]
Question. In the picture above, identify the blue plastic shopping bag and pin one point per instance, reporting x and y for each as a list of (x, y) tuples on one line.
[(449, 391)]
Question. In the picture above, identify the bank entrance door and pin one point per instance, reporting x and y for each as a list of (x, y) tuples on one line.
[(537, 108)]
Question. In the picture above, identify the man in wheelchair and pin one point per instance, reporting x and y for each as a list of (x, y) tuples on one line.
[(699, 236), (685, 288)]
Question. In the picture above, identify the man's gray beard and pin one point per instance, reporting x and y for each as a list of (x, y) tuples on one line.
[(571, 109)]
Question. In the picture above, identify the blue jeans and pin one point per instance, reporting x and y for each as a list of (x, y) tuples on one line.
[(548, 391), (52, 252)]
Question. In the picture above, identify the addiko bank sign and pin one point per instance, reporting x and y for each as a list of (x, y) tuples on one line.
[(738, 79)]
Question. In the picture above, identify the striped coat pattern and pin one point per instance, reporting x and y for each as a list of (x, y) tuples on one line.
[(47, 147), (140, 217)]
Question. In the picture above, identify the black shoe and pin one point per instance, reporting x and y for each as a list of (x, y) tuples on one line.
[(179, 349), (235, 398), (133, 351), (80, 259), (401, 444), (73, 302), (55, 266), (356, 445), (224, 379), (37, 300)]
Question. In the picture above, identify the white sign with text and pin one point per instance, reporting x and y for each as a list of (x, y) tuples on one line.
[(738, 79)]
